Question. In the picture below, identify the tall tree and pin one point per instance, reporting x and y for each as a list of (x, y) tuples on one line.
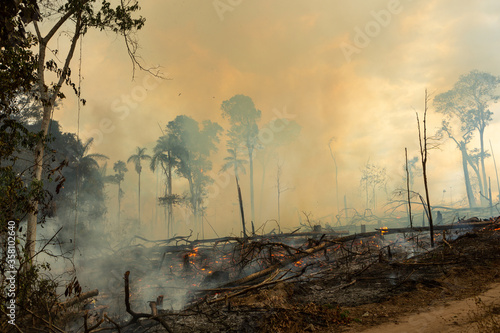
[(80, 16), (165, 157), (120, 168), (139, 156), (461, 139), (469, 101), (423, 141), (243, 117), (193, 146)]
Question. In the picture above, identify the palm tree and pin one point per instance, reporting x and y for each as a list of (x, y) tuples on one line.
[(120, 168), (85, 162), (243, 116), (139, 156), (163, 156), (86, 176), (85, 170), (232, 161)]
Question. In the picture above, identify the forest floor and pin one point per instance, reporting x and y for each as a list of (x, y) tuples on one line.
[(454, 287)]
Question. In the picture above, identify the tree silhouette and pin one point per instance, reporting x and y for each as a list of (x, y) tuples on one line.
[(373, 177), (164, 157), (120, 168), (462, 139), (136, 159), (233, 161), (469, 102), (243, 117), (192, 148)]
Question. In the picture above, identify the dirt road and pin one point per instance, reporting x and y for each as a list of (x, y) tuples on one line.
[(454, 316)]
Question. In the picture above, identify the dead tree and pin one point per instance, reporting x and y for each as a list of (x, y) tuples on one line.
[(423, 142), (408, 188)]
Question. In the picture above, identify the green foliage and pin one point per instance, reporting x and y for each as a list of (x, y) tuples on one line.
[(17, 61), (191, 148), (243, 117), (17, 190), (138, 157), (118, 19), (234, 162)]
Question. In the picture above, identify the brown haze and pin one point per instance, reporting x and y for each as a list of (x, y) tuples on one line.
[(286, 55)]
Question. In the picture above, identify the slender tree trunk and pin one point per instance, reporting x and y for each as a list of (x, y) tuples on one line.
[(496, 170), (366, 190), (156, 196), (250, 159), (261, 199), (336, 178), (278, 190), (483, 169), (408, 189), (169, 193), (482, 188), (119, 200), (241, 207), (468, 187), (193, 201), (374, 198), (423, 154), (139, 198)]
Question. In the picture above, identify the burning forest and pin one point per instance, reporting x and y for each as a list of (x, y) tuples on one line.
[(287, 167)]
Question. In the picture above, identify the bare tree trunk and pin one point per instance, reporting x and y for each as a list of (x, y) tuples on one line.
[(241, 207), (250, 159), (336, 176), (139, 198), (468, 187), (496, 170), (119, 200), (482, 188), (408, 188), (423, 154), (169, 203), (483, 169)]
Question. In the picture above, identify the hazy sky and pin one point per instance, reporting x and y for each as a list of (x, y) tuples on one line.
[(355, 71)]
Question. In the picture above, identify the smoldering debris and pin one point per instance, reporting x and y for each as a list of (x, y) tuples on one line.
[(171, 282)]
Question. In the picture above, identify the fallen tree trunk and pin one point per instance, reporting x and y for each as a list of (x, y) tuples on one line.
[(80, 298), (460, 225)]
